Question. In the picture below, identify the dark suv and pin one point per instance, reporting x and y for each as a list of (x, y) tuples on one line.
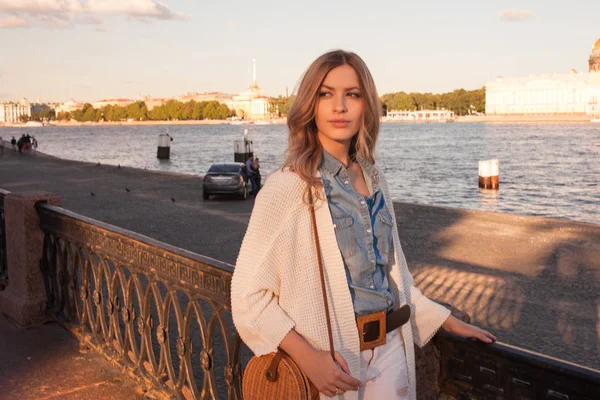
[(226, 179)]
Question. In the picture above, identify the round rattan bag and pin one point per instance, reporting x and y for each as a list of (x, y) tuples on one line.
[(275, 376)]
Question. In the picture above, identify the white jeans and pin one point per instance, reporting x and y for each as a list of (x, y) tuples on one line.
[(385, 370)]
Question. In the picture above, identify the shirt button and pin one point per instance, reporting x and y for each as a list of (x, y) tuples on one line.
[(346, 182), (334, 226), (368, 230), (362, 202), (372, 261)]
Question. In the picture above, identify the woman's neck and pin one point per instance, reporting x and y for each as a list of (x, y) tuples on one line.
[(339, 150)]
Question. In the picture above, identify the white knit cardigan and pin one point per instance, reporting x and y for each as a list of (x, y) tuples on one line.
[(276, 285)]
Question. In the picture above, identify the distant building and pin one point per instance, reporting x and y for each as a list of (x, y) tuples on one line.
[(570, 93), (420, 116), (112, 102), (152, 102), (69, 106), (594, 60), (251, 104), (12, 111), (207, 96)]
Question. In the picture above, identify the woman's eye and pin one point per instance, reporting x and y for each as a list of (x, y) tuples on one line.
[(324, 94), (354, 95)]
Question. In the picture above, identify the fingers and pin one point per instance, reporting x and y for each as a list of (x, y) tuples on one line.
[(345, 377), (342, 363), (489, 336), (485, 336)]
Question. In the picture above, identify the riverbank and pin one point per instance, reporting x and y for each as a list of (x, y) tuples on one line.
[(519, 119), (492, 119), (148, 123), (534, 282)]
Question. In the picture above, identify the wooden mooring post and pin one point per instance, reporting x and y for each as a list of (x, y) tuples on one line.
[(489, 172)]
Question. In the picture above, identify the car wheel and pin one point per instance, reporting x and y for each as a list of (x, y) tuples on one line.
[(205, 195)]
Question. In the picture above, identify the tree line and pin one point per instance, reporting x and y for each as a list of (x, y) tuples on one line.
[(172, 110), (460, 101)]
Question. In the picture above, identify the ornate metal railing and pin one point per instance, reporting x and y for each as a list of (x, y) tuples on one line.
[(3, 262), (473, 370), (162, 312)]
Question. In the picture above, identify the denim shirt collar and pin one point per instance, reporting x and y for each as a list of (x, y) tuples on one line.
[(333, 166)]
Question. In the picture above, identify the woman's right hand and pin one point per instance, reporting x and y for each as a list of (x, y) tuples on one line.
[(329, 377)]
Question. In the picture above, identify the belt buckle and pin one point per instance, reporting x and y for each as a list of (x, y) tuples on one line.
[(365, 319)]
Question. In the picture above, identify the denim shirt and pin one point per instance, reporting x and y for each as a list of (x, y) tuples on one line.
[(363, 228)]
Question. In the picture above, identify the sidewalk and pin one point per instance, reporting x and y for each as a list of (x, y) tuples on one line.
[(46, 362)]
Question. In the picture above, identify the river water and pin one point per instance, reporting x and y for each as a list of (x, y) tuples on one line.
[(550, 170)]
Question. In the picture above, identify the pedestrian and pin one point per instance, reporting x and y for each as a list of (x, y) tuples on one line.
[(13, 143), (256, 173), (21, 143), (1, 146), (251, 175), (276, 294), (34, 144)]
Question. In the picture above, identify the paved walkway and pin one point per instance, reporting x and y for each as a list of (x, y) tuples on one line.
[(47, 362), (516, 278)]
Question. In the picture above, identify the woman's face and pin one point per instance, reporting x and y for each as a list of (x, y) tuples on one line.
[(339, 110)]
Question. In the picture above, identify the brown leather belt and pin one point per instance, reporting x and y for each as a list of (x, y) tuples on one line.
[(372, 328)]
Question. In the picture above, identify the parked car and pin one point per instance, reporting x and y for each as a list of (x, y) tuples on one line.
[(226, 179)]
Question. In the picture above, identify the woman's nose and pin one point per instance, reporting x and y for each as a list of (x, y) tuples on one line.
[(340, 104)]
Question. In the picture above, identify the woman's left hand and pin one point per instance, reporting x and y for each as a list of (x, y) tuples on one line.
[(456, 326)]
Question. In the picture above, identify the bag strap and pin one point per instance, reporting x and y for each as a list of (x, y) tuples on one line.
[(320, 261)]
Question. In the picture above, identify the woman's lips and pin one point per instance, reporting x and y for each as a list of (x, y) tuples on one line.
[(339, 123)]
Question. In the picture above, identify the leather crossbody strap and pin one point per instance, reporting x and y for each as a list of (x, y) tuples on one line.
[(321, 272)]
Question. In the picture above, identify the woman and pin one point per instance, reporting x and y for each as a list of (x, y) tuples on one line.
[(276, 298)]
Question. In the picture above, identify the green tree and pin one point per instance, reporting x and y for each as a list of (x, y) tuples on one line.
[(400, 102), (64, 116), (459, 101), (280, 106), (210, 110), (48, 114), (137, 111), (198, 112), (86, 114), (223, 112), (188, 110)]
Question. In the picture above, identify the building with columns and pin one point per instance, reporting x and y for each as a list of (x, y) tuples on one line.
[(594, 60), (568, 93), (11, 112), (251, 104)]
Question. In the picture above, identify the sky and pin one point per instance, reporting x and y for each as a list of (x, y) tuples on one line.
[(89, 50)]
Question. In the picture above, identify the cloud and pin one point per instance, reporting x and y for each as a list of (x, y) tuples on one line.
[(132, 8), (89, 20), (64, 13), (515, 15), (13, 22)]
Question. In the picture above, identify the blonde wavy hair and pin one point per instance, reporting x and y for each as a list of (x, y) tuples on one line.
[(304, 151)]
